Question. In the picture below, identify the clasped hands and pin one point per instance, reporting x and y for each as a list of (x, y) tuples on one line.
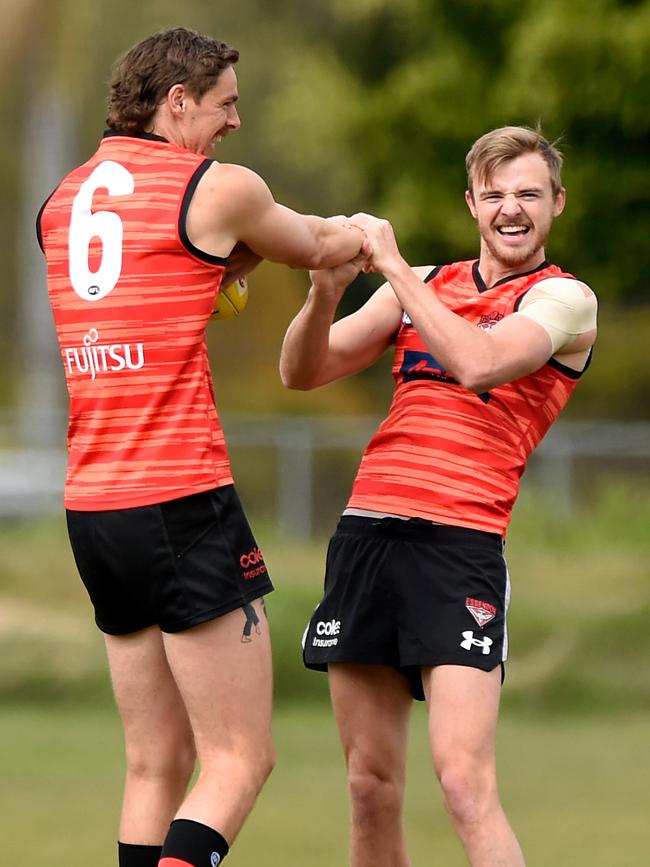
[(380, 245), (377, 251)]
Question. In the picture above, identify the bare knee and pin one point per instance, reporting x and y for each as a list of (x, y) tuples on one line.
[(257, 760), (171, 760), (250, 763), (263, 762), (469, 791), (376, 799)]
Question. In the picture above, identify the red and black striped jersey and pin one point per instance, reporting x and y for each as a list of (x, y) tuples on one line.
[(131, 297), (445, 453)]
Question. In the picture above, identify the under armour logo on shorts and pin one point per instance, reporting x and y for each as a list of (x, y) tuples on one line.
[(469, 641)]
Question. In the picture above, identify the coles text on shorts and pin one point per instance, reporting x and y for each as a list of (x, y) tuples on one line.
[(329, 628)]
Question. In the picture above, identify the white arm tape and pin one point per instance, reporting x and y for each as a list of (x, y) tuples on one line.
[(564, 307)]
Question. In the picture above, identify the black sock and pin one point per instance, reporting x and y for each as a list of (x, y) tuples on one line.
[(193, 844), (134, 855)]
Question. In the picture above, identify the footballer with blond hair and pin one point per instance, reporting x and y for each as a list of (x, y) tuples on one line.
[(486, 354)]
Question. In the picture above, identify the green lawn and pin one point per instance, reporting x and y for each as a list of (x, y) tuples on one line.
[(576, 790), (574, 739)]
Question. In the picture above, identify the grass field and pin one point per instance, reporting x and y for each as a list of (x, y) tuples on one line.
[(576, 791), (574, 741), (578, 620)]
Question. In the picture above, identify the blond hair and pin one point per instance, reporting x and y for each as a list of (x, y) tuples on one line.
[(499, 146)]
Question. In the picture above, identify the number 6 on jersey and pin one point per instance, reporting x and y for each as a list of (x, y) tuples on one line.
[(86, 225)]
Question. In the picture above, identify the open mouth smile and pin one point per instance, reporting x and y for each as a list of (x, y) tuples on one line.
[(510, 231)]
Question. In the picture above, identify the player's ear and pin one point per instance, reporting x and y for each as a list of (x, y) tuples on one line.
[(176, 97), (469, 198), (560, 202)]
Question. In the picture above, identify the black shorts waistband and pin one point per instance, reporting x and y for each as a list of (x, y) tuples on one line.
[(417, 529)]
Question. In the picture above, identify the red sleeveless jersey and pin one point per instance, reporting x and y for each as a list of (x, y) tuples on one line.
[(445, 453), (131, 298)]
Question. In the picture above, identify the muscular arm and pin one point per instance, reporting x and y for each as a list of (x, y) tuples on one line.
[(480, 360), (317, 350), (232, 204)]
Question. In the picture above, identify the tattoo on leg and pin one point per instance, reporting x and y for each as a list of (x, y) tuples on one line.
[(252, 621)]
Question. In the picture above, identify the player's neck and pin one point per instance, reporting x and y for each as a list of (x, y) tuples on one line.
[(493, 269)]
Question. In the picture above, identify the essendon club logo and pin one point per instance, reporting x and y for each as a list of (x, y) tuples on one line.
[(482, 612), (489, 320)]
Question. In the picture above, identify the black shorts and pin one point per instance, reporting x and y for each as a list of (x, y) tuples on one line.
[(174, 564), (409, 594)]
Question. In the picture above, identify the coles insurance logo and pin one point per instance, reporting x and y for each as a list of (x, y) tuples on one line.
[(252, 564), (327, 632), (94, 358)]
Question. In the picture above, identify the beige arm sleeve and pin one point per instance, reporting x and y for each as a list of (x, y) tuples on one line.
[(564, 307)]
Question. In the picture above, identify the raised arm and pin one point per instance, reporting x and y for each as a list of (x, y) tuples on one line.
[(317, 350), (518, 345), (233, 204)]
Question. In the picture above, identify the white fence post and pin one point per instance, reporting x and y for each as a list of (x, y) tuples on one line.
[(295, 479)]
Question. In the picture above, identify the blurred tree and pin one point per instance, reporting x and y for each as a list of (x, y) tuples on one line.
[(391, 96), (55, 56), (363, 105)]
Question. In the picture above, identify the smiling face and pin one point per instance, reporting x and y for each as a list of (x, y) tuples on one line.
[(206, 121), (198, 123), (514, 208)]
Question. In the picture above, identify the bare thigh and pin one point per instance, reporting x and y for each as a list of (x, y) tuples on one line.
[(146, 694), (463, 711), (224, 674), (226, 681), (372, 706)]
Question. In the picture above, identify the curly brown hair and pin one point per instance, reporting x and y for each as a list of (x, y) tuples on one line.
[(494, 148), (142, 77)]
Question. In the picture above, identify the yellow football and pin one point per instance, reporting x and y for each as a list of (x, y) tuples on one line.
[(231, 301)]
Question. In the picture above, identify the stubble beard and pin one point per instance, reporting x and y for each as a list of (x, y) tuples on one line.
[(515, 258)]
